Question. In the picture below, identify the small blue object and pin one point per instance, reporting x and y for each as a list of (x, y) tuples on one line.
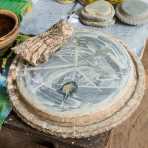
[(2, 81)]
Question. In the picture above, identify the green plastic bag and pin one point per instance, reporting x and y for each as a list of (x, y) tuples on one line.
[(19, 7), (5, 106), (5, 62)]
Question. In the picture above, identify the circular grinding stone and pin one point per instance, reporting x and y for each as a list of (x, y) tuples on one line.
[(100, 9), (133, 12), (98, 14), (135, 8), (97, 23), (87, 16), (106, 87)]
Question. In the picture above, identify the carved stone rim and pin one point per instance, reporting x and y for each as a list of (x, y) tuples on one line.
[(117, 118)]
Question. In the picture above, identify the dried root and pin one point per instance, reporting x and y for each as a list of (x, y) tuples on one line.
[(38, 49)]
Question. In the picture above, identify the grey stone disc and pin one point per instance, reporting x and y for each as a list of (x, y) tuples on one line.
[(100, 9), (97, 23), (111, 65), (97, 68), (133, 12), (85, 15), (99, 14), (135, 8)]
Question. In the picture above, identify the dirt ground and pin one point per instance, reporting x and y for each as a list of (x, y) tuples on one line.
[(12, 140)]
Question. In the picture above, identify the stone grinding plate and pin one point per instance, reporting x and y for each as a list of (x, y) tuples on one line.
[(96, 18), (98, 14), (96, 23), (99, 9), (133, 12), (119, 97)]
